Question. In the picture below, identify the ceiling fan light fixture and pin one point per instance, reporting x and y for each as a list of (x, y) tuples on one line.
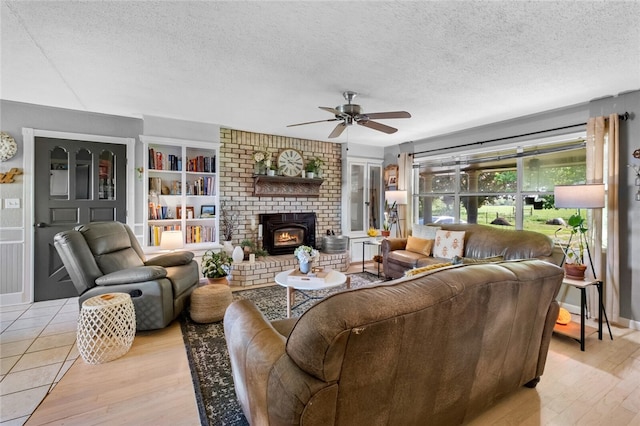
[(350, 113)]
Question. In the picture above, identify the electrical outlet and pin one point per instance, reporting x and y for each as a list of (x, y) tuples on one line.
[(12, 203)]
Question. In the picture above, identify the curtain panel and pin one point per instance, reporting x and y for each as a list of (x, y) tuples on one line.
[(603, 167)]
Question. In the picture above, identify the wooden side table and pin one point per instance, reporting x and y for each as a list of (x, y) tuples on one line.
[(583, 331)]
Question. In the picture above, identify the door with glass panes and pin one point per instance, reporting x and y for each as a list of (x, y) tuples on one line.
[(364, 205), (77, 182)]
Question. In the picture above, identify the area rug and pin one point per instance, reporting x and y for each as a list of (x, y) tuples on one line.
[(209, 359)]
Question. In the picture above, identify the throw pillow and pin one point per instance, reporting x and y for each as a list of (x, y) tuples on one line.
[(419, 245), (457, 260), (416, 271), (448, 244), (424, 231)]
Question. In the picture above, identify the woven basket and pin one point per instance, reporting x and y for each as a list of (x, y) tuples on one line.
[(209, 303)]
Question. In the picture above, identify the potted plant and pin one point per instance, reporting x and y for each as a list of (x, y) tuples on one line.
[(215, 266), (574, 265), (248, 247), (386, 228), (306, 255), (228, 225), (314, 167), (273, 169)]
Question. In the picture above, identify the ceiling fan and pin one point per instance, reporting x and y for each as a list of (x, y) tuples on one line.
[(349, 113)]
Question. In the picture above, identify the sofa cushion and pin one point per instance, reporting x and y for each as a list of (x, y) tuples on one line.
[(424, 231), (449, 244), (419, 245)]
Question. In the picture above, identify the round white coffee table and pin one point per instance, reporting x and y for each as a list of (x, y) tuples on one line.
[(333, 279)]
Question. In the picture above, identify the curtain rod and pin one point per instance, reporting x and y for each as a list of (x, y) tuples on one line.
[(623, 117)]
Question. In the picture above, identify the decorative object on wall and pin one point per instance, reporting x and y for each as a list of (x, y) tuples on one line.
[(8, 146), (636, 169), (290, 162), (9, 176)]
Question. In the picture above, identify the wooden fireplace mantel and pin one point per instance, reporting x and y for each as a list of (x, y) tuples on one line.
[(284, 186)]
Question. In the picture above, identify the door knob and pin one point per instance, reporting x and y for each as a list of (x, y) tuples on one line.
[(41, 225)]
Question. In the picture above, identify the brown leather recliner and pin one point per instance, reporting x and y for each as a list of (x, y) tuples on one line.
[(434, 349), (105, 257)]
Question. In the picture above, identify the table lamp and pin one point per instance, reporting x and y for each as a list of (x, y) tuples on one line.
[(171, 240)]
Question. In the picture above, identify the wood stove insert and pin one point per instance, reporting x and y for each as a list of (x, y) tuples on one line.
[(283, 232)]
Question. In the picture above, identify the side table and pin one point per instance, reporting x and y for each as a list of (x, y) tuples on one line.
[(571, 328), (371, 243), (106, 327)]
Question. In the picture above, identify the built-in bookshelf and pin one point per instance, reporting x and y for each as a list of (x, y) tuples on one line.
[(182, 191)]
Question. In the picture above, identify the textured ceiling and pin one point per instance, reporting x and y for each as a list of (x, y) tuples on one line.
[(259, 66)]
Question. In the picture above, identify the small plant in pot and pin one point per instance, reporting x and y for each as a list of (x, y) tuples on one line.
[(575, 266), (314, 167), (216, 266), (386, 228)]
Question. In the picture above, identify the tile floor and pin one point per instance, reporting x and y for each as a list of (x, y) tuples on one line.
[(37, 346)]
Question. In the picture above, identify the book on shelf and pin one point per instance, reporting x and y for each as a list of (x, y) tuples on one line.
[(201, 163), (200, 234), (155, 232), (161, 161)]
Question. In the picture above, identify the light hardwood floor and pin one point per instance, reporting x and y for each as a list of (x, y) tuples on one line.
[(151, 384)]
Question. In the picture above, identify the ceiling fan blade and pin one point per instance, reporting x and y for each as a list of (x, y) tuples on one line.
[(390, 114), (331, 110), (377, 126), (312, 122), (338, 130)]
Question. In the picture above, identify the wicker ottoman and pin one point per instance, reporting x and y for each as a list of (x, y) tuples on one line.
[(209, 302)]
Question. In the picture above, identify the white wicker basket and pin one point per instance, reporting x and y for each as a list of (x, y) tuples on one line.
[(106, 327)]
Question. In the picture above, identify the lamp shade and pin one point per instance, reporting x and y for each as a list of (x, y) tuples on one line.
[(171, 240), (590, 196), (398, 197)]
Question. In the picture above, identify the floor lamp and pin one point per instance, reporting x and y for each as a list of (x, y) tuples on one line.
[(590, 196), (395, 199)]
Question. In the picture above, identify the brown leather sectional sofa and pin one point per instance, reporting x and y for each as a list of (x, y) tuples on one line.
[(480, 241), (434, 349)]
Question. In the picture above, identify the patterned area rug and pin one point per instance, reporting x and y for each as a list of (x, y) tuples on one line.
[(209, 360)]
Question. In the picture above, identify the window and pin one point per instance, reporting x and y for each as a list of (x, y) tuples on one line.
[(511, 187)]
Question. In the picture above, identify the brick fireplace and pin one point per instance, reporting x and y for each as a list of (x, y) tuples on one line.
[(236, 193)]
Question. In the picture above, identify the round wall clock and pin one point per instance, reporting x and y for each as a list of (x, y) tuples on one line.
[(8, 146), (290, 162)]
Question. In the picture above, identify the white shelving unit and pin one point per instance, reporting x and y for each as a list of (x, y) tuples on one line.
[(181, 188)]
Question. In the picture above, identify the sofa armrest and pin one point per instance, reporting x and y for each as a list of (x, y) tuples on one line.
[(254, 347), (171, 259), (391, 244), (132, 275)]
